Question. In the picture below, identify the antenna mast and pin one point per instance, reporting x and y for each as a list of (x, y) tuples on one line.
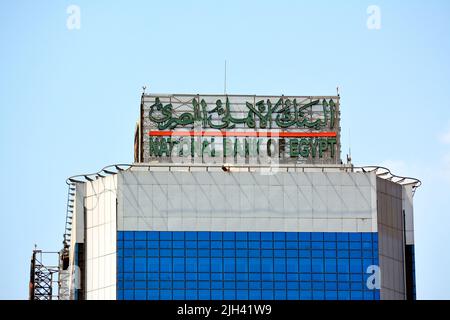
[(349, 155), (225, 80)]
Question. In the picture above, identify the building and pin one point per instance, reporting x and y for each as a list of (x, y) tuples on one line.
[(239, 197)]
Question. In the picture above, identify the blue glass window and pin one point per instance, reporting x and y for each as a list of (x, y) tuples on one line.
[(244, 265)]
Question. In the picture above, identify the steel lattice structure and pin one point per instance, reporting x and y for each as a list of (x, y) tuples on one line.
[(43, 285)]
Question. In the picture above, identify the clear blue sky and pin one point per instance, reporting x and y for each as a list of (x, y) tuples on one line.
[(69, 99)]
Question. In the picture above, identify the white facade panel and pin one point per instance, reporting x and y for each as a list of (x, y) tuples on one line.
[(101, 231), (247, 201), (407, 195)]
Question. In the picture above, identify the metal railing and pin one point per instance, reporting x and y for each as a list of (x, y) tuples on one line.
[(381, 172)]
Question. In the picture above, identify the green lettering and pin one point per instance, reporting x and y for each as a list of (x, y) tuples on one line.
[(246, 147), (205, 146), (293, 148), (227, 147), (332, 143), (163, 148), (253, 147), (313, 147), (239, 148), (154, 147), (269, 145), (304, 148), (323, 146), (213, 148)]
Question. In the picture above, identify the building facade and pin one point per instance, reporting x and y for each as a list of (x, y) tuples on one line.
[(306, 227)]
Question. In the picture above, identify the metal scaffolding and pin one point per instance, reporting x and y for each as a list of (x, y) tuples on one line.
[(43, 283), (64, 275)]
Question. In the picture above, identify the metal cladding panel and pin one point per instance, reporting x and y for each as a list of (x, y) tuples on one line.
[(169, 121), (77, 238), (391, 235), (78, 214), (246, 201), (407, 193), (100, 238)]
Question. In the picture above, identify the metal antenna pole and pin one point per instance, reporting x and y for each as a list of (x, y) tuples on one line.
[(349, 156), (225, 80)]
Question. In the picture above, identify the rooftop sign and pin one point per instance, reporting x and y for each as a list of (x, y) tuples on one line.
[(239, 129)]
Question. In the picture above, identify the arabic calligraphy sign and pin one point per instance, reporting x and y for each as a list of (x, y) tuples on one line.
[(237, 128)]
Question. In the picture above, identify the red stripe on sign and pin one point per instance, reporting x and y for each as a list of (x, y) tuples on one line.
[(242, 134)]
